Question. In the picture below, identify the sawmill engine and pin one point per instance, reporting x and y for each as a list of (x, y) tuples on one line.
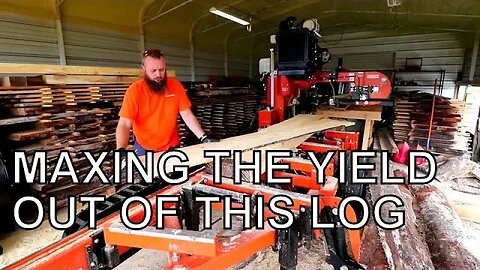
[(298, 54), (297, 82)]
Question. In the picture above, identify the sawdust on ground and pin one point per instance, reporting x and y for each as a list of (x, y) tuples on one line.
[(313, 258), (21, 243)]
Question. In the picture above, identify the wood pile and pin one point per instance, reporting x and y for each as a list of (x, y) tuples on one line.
[(451, 244), (77, 129), (412, 123), (62, 108), (22, 74), (75, 108), (223, 112)]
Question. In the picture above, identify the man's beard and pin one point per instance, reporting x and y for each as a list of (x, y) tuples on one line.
[(157, 87)]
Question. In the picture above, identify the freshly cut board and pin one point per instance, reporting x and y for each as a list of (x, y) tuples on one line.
[(293, 128)]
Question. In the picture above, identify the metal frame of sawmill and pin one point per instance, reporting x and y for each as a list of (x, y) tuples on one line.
[(105, 247)]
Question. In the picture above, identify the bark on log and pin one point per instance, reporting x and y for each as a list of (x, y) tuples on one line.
[(372, 254), (403, 248), (450, 244)]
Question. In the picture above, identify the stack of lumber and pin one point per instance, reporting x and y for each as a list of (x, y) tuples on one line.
[(412, 123), (90, 130), (469, 118), (223, 112), (401, 124), (16, 74), (75, 108), (62, 108)]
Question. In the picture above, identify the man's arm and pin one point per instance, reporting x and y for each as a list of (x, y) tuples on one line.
[(192, 122), (123, 132)]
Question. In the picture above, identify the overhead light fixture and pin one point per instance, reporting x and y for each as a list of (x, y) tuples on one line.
[(394, 3), (228, 16)]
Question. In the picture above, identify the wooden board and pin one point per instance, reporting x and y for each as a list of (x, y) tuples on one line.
[(283, 145), (293, 128), (87, 79), (8, 68), (353, 112), (18, 120), (30, 134), (385, 141)]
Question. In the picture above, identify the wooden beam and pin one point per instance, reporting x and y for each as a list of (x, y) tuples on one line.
[(367, 134), (87, 79), (354, 112), (18, 120), (473, 62), (43, 69), (273, 136), (59, 30), (386, 141)]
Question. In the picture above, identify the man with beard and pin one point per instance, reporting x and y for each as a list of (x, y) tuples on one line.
[(151, 106)]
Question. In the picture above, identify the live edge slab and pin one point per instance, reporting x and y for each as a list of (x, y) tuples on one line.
[(282, 136)]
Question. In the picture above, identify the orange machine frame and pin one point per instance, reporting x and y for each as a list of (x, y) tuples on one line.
[(189, 248)]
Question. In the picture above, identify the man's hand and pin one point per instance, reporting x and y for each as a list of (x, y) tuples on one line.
[(206, 139), (123, 154)]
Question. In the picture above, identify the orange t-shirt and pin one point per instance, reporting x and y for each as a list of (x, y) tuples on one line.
[(154, 115)]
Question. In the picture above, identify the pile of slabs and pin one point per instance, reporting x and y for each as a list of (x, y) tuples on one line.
[(413, 123), (75, 109), (222, 112)]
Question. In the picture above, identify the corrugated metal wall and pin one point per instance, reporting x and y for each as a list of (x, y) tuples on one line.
[(93, 47), (239, 66), (34, 41), (178, 59), (24, 40), (387, 50), (29, 40), (208, 64)]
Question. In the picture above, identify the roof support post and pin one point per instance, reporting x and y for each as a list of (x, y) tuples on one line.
[(473, 63), (58, 28)]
